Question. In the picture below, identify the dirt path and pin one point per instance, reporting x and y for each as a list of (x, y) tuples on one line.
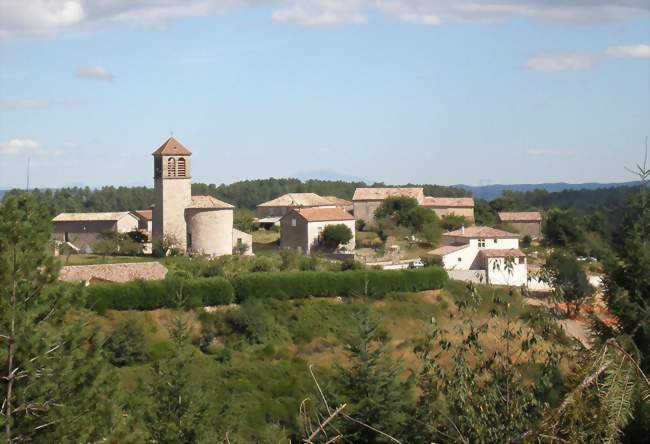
[(572, 327)]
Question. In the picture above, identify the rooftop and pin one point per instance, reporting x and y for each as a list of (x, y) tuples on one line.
[(297, 200), (91, 217), (338, 201), (144, 214), (502, 253), (448, 202), (384, 193), (478, 232), (447, 249), (147, 271), (521, 216), (208, 202), (323, 214), (172, 147)]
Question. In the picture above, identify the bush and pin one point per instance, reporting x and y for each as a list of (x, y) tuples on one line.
[(360, 224), (297, 285), (126, 344), (335, 235), (151, 295), (453, 222)]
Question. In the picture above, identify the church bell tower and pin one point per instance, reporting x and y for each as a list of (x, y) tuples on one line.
[(173, 192)]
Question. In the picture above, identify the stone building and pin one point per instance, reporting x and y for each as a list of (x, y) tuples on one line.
[(197, 224), (82, 230), (367, 200), (446, 206), (269, 213), (302, 228), (527, 223)]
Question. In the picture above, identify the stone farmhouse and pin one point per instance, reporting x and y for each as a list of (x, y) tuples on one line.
[(527, 223), (269, 213), (302, 228), (82, 230), (146, 218), (367, 200), (447, 206), (344, 204), (484, 249)]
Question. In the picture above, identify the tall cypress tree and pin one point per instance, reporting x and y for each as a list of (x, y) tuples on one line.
[(55, 385)]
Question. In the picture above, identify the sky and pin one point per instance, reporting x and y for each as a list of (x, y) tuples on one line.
[(399, 91)]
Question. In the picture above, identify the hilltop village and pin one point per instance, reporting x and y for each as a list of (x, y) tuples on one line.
[(182, 223)]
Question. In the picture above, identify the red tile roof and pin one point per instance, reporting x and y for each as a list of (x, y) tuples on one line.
[(208, 202), (323, 214), (502, 253), (144, 214), (297, 200), (448, 202), (521, 216), (481, 233), (172, 147), (447, 249), (383, 193)]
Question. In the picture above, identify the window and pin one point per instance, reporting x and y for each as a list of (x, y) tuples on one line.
[(495, 241), (181, 167), (189, 240), (522, 260), (460, 259), (171, 167), (481, 243), (293, 222)]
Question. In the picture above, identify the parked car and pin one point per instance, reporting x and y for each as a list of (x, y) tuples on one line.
[(417, 263)]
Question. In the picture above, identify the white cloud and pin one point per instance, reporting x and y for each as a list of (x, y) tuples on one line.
[(541, 152), (562, 62), (322, 12), (94, 73), (23, 104), (629, 51), (49, 17), (15, 147)]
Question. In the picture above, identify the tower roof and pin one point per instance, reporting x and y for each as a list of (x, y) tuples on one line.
[(172, 147)]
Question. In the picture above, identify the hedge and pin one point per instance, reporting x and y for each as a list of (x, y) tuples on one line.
[(150, 295), (302, 284), (198, 292)]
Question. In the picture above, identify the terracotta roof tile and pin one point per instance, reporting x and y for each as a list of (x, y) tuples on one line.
[(447, 249), (383, 193), (338, 201), (91, 217), (145, 214), (481, 232), (448, 202), (172, 147), (208, 202), (323, 214), (297, 200), (521, 216)]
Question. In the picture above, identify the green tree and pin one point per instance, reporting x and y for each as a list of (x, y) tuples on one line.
[(179, 408), (562, 229), (568, 280), (372, 385), (453, 222), (335, 235), (396, 208), (54, 382), (126, 344), (243, 220)]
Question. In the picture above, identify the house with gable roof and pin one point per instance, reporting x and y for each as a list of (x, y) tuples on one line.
[(302, 228), (492, 251)]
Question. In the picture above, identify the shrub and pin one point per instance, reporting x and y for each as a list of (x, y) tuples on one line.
[(360, 224), (453, 222), (126, 344), (297, 285), (151, 295), (335, 235)]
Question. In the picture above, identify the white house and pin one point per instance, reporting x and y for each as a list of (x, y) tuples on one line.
[(302, 228), (496, 252)]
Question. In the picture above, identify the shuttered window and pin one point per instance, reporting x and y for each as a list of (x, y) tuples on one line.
[(171, 168), (181, 167)]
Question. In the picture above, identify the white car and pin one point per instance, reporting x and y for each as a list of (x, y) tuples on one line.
[(417, 263)]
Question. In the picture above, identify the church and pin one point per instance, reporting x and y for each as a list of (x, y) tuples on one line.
[(193, 224)]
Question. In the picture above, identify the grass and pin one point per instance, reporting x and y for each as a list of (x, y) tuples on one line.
[(94, 259)]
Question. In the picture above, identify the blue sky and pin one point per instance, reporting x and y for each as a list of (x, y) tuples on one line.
[(398, 91)]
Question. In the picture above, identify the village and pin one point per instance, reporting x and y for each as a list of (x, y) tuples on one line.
[(203, 225)]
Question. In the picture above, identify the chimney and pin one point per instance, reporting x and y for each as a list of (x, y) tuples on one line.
[(462, 229)]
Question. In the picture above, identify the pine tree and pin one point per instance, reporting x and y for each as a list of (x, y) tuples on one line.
[(55, 385), (179, 407), (372, 386)]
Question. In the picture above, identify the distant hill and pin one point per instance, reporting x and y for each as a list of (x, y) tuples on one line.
[(2, 193), (490, 192)]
